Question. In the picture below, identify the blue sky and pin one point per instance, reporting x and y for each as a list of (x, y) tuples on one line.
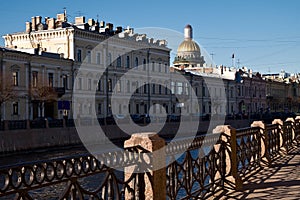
[(263, 34)]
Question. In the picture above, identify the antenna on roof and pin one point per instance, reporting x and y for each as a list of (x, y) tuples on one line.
[(212, 55), (65, 14)]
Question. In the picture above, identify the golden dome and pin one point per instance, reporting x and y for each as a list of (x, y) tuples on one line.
[(188, 46)]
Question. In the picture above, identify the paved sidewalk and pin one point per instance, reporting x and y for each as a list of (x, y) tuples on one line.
[(280, 181)]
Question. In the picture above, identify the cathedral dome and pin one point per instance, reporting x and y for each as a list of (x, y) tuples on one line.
[(188, 46), (188, 52)]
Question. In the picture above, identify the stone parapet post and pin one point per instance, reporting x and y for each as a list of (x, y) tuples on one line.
[(297, 129), (64, 122), (232, 179), (279, 122), (293, 139), (155, 189), (28, 124), (265, 159), (46, 123)]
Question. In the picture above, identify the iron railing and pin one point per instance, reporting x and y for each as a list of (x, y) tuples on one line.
[(273, 134), (196, 168), (81, 177), (17, 124), (248, 150), (200, 171)]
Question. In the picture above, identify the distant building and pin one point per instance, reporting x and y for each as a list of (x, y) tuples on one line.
[(83, 42), (29, 80)]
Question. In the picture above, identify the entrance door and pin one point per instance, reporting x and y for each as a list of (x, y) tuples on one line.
[(49, 109)]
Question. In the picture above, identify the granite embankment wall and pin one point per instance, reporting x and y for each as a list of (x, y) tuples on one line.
[(30, 139)]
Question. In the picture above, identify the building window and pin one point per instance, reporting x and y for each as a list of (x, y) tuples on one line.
[(15, 78), (89, 56), (79, 55), (109, 85), (109, 59), (118, 86), (159, 67), (99, 87), (136, 62), (137, 87), (65, 81), (128, 86), (153, 88), (34, 79), (144, 65), (79, 84), (99, 108), (173, 87), (159, 89), (15, 108), (50, 79), (120, 109), (166, 89), (137, 106), (145, 88), (153, 66), (127, 62), (98, 58), (166, 68), (179, 88), (89, 84), (186, 88), (119, 61)]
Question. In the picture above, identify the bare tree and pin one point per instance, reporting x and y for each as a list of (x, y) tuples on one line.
[(43, 93), (7, 92)]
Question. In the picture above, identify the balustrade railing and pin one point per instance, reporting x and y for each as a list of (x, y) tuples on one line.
[(210, 164), (248, 150), (274, 138), (81, 177), (200, 171), (17, 124)]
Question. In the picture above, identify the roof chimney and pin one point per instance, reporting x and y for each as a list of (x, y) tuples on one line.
[(119, 29), (109, 26), (102, 24), (33, 22), (60, 17), (91, 22), (28, 27), (188, 32), (51, 23), (38, 20), (79, 20)]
